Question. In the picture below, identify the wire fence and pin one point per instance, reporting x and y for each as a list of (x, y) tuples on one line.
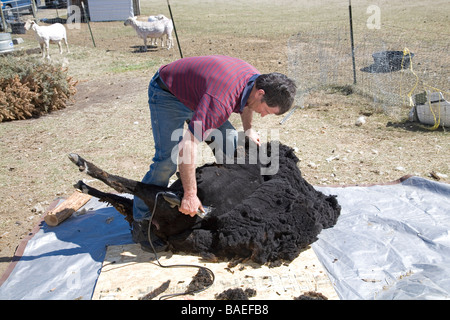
[(392, 65), (320, 55), (12, 10)]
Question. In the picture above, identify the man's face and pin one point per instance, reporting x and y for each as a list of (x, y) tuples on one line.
[(256, 104)]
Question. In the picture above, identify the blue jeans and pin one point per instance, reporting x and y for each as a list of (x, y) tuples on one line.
[(168, 116)]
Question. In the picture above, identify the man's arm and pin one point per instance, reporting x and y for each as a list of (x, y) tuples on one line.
[(246, 118), (187, 164)]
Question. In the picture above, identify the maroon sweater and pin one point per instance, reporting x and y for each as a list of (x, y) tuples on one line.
[(211, 86)]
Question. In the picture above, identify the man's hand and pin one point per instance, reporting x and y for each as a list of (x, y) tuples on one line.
[(190, 205), (246, 117), (254, 136)]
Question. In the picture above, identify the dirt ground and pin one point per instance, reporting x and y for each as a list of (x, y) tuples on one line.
[(108, 121)]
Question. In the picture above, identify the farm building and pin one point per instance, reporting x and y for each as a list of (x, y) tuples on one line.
[(108, 10)]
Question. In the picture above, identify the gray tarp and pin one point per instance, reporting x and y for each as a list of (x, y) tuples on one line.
[(390, 242), (64, 262)]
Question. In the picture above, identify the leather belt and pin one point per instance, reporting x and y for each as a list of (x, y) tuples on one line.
[(162, 85)]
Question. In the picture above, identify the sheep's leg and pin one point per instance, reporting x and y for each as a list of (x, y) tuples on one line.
[(42, 45), (145, 44), (47, 46), (67, 45), (144, 191), (120, 184), (169, 42), (60, 47), (122, 204)]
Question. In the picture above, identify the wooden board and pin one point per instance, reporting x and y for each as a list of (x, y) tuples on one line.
[(128, 273), (63, 211)]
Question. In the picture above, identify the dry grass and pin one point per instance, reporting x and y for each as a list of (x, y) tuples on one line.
[(109, 124)]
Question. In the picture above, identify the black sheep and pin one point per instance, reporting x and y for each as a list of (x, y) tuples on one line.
[(261, 217)]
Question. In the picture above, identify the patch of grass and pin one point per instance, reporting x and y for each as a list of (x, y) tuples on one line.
[(344, 90), (125, 66)]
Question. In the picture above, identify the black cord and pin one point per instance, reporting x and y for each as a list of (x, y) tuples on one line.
[(168, 296)]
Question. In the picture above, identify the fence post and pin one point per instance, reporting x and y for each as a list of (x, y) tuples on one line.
[(136, 7), (89, 25), (33, 8), (175, 29), (351, 37), (3, 19)]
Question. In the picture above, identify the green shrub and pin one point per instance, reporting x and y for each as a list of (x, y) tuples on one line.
[(31, 87)]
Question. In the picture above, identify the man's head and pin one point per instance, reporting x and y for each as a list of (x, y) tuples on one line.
[(279, 90)]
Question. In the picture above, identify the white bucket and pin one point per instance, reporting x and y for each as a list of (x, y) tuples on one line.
[(6, 43)]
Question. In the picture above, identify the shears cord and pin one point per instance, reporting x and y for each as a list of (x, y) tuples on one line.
[(168, 296)]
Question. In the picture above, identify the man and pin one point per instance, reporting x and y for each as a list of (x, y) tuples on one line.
[(204, 91)]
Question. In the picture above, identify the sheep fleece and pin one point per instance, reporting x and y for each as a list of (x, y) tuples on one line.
[(265, 218)]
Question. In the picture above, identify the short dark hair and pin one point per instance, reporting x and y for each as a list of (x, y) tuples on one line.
[(279, 90)]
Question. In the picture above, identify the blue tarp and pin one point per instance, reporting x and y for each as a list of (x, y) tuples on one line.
[(390, 242), (64, 262)]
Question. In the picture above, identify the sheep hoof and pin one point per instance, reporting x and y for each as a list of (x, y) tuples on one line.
[(79, 161), (81, 186)]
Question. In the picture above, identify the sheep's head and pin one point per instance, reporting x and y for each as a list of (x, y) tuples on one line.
[(129, 20), (29, 24)]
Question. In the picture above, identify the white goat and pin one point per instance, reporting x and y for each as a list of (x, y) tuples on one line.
[(46, 34), (169, 25), (146, 29)]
